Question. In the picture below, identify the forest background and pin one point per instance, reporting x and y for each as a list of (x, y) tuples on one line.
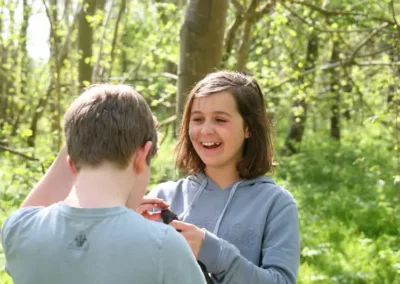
[(330, 72)]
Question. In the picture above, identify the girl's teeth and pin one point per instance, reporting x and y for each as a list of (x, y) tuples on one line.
[(210, 144)]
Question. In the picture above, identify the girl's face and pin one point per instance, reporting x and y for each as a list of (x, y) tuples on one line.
[(217, 130)]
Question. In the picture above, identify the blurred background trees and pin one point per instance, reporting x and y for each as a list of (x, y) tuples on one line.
[(330, 74)]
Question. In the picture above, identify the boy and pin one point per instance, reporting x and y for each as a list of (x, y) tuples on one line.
[(92, 236)]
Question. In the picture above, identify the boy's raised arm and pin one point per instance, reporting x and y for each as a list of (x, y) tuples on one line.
[(54, 186)]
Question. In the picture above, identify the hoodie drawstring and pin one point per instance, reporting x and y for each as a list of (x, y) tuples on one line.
[(216, 228), (201, 189)]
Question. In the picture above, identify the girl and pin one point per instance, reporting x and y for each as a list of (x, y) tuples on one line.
[(238, 222)]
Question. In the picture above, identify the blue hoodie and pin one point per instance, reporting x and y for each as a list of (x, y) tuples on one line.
[(252, 229)]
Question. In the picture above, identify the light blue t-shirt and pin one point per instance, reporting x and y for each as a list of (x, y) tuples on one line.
[(61, 244), (251, 227)]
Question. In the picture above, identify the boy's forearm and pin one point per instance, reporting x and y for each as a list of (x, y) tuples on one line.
[(54, 186)]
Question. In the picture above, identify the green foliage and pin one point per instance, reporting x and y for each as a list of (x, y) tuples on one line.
[(349, 207), (347, 191)]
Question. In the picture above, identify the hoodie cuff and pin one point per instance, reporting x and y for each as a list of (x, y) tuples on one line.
[(210, 251)]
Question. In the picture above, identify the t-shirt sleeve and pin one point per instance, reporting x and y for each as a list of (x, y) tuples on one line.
[(9, 230), (178, 262)]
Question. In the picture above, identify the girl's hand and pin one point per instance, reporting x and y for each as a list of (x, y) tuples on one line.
[(193, 235), (151, 203)]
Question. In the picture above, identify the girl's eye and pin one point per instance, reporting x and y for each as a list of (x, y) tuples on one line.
[(197, 119), (220, 120)]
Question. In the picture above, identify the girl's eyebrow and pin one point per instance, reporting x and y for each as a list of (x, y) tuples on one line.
[(216, 112)]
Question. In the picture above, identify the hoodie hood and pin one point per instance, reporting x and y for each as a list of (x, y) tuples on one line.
[(198, 179), (202, 182)]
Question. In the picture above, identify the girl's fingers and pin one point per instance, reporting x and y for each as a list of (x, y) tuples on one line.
[(145, 207), (181, 226), (159, 202), (154, 216)]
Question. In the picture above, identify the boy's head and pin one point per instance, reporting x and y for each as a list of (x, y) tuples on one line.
[(108, 123)]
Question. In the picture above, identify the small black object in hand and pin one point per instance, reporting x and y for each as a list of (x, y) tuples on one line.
[(168, 216)]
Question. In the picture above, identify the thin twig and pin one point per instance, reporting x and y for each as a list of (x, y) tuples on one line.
[(329, 67), (336, 13), (4, 148), (366, 40)]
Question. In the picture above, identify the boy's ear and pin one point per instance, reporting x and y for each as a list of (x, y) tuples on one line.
[(71, 166), (140, 157), (247, 132)]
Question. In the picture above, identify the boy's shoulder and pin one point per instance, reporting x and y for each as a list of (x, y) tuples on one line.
[(12, 222), (20, 215)]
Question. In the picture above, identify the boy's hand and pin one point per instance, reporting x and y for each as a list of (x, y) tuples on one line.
[(193, 235), (151, 203)]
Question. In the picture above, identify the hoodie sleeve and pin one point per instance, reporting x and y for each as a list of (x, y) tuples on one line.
[(280, 253)]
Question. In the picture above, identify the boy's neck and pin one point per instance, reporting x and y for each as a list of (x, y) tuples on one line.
[(223, 176), (103, 186)]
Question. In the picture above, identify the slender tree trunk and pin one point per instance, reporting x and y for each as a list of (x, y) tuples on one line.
[(60, 60), (335, 92), (85, 43), (231, 35), (299, 107), (98, 70), (23, 62), (202, 35), (108, 73), (3, 95)]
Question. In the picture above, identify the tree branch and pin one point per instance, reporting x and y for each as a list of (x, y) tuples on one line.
[(375, 52), (329, 67), (366, 40), (95, 71), (336, 13), (321, 29), (115, 37), (267, 7), (4, 148), (391, 5), (237, 5), (232, 30)]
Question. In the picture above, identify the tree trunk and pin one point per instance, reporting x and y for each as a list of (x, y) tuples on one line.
[(231, 35), (60, 60), (3, 96), (335, 92), (298, 118), (121, 12), (244, 46), (23, 61), (202, 35), (85, 42)]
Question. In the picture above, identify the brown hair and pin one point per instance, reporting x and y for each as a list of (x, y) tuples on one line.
[(258, 148), (108, 123)]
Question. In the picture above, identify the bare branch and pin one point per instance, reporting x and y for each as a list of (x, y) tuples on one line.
[(15, 152), (330, 67), (336, 13), (375, 52), (267, 7), (377, 63), (115, 37), (366, 40), (230, 35), (391, 5), (237, 5), (167, 121), (102, 39)]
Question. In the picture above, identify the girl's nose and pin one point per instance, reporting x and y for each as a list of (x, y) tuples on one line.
[(207, 128)]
